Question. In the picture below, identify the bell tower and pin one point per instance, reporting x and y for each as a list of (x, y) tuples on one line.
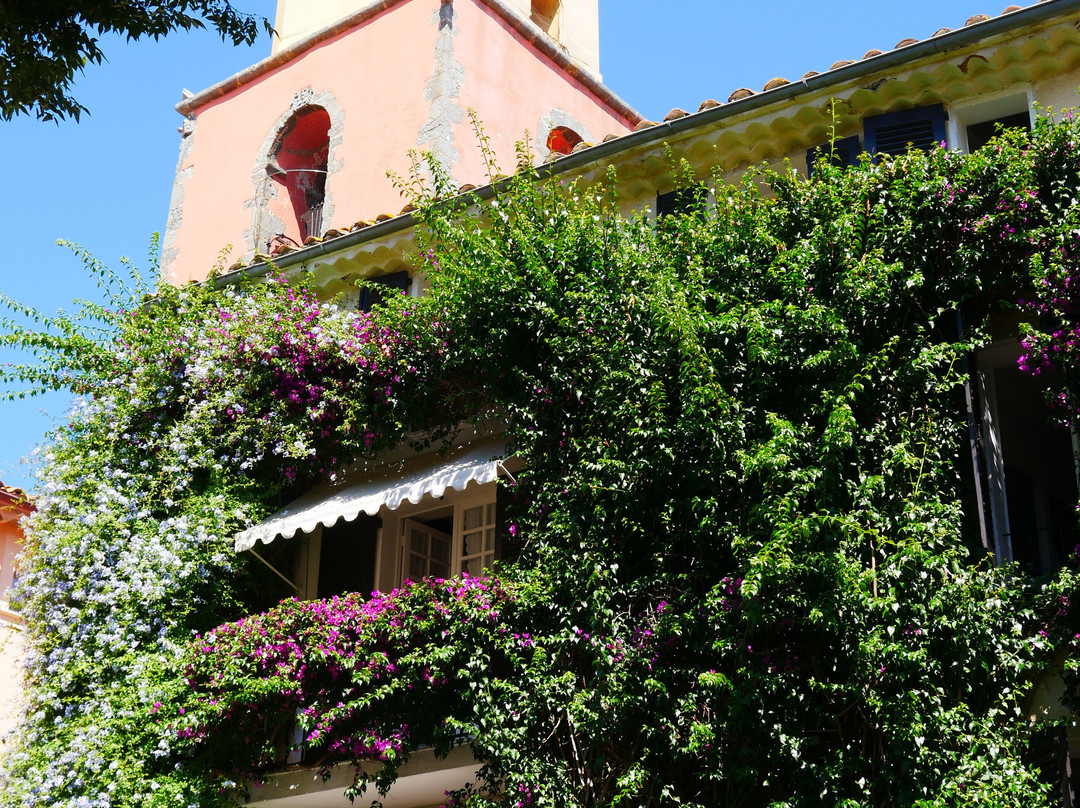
[(573, 24)]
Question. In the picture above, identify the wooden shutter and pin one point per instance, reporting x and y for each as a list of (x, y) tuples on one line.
[(369, 296), (892, 133), (842, 152)]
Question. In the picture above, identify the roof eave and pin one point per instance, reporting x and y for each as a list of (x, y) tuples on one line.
[(602, 152)]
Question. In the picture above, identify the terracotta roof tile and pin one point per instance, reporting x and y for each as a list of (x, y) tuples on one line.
[(311, 240), (673, 115), (14, 499), (409, 208), (333, 232)]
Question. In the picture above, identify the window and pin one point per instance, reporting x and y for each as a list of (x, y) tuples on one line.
[(894, 132), (681, 200), (346, 557), (977, 122), (842, 152), (299, 162), (1029, 474), (381, 287), (545, 13), (562, 140), (448, 540)]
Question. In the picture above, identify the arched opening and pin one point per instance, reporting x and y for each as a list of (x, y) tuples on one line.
[(562, 140), (545, 13), (298, 162)]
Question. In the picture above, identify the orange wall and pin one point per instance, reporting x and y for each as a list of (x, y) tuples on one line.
[(377, 73)]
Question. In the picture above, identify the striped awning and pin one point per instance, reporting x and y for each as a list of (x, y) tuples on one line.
[(385, 486)]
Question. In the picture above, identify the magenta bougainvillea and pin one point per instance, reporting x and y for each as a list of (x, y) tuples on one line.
[(750, 569)]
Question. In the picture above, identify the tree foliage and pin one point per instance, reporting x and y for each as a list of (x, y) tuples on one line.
[(750, 573), (45, 43)]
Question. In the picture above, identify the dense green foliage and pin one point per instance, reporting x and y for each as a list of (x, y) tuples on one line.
[(751, 572)]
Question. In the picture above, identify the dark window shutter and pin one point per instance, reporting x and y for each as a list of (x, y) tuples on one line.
[(681, 200), (507, 546), (843, 152), (371, 295), (891, 133)]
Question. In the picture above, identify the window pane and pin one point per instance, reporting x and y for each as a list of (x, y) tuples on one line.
[(489, 539), (472, 542), (474, 566), (419, 542), (440, 570), (474, 518), (417, 567), (440, 551)]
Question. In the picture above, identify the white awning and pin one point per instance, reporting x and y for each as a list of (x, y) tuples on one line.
[(385, 486)]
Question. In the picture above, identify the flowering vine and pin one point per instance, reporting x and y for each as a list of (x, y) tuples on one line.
[(747, 573)]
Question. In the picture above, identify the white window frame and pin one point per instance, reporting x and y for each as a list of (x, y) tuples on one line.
[(986, 108), (390, 561)]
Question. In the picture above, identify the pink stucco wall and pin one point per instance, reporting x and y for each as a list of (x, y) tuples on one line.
[(376, 73), (512, 85)]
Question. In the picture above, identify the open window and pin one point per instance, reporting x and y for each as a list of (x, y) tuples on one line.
[(561, 140), (428, 516), (547, 15), (298, 163), (894, 132), (448, 540), (1029, 472), (977, 122)]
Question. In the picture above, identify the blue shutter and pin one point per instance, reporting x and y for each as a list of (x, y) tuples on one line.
[(842, 152), (370, 295), (892, 133)]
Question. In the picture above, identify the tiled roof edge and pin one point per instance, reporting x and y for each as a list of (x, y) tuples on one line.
[(1043, 11), (237, 80), (526, 28), (535, 36), (15, 499)]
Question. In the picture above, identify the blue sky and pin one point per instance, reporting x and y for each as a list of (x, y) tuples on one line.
[(105, 182)]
